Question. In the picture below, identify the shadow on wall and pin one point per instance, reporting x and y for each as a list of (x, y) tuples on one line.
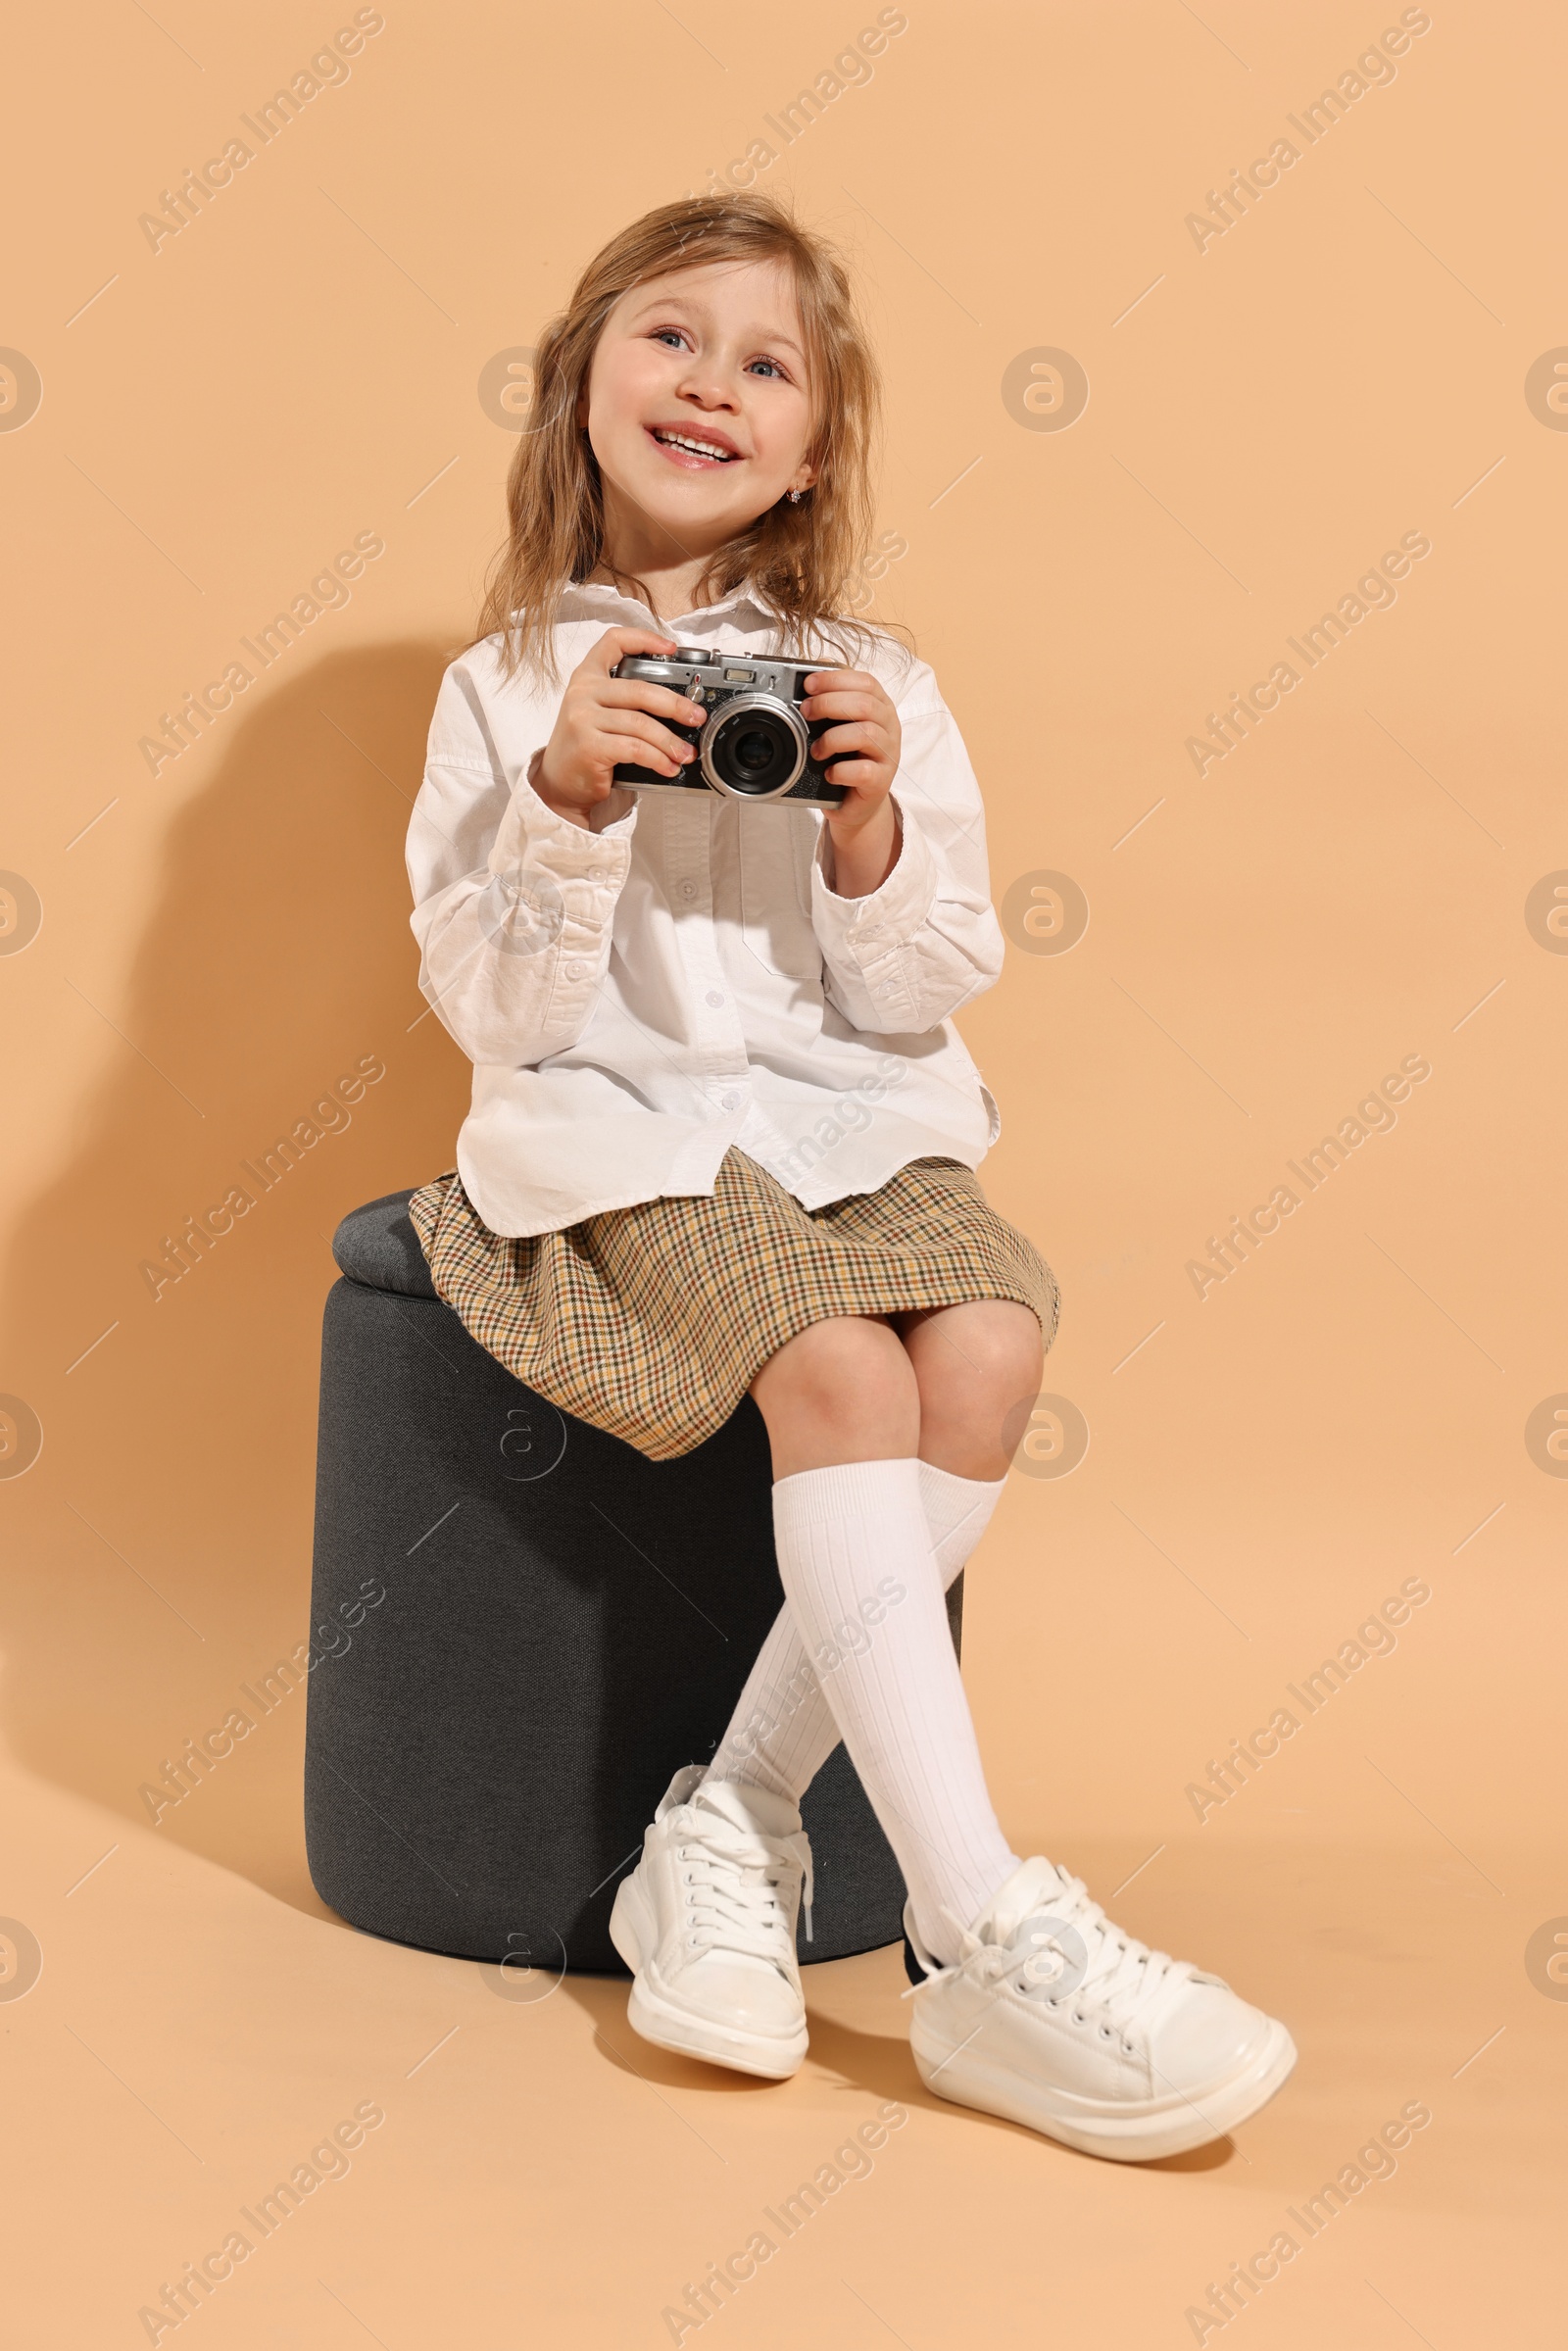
[(163, 1532)]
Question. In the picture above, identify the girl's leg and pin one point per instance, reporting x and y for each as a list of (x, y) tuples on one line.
[(843, 1405), (782, 1731)]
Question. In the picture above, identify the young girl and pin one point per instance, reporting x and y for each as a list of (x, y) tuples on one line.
[(722, 1142)]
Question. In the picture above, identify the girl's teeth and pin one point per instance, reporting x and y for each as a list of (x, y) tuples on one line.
[(695, 448)]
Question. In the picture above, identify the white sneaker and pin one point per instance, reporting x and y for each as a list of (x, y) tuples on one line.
[(706, 1922), (1053, 2018)]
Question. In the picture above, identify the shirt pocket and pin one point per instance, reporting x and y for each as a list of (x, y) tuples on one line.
[(776, 847)]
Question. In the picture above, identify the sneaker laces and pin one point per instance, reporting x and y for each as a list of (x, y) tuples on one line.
[(1121, 1976), (732, 1883)]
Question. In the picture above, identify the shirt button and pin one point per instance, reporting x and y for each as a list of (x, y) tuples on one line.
[(688, 889), (732, 1101), (575, 971), (713, 996)]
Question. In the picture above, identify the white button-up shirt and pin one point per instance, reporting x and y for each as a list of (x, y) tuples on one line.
[(638, 997)]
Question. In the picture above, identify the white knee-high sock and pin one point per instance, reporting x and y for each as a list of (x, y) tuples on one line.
[(782, 1731), (861, 1577)]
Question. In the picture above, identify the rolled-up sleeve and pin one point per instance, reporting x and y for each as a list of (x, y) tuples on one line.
[(514, 905), (926, 941)]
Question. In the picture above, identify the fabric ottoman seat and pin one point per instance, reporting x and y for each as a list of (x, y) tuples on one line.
[(520, 1628)]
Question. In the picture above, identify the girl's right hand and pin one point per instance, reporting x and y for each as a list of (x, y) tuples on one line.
[(606, 722)]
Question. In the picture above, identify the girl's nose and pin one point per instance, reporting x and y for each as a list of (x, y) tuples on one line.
[(709, 388)]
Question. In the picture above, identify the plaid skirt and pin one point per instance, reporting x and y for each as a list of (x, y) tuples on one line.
[(652, 1321)]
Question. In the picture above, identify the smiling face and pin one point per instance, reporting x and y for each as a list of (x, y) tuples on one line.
[(698, 405)]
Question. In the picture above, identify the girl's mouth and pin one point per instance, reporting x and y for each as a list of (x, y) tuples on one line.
[(695, 452)]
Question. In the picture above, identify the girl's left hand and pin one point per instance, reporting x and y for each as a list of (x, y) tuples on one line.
[(864, 744), (866, 740)]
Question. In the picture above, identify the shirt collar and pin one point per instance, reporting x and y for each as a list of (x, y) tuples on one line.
[(596, 600)]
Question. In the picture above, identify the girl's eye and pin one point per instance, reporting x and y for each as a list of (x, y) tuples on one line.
[(669, 334), (767, 363)]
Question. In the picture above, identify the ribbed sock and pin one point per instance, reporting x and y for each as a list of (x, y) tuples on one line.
[(863, 1584), (782, 1731)]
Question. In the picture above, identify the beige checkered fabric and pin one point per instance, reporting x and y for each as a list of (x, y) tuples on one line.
[(652, 1321)]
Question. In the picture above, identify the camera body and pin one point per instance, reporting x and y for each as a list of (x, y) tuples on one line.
[(753, 743)]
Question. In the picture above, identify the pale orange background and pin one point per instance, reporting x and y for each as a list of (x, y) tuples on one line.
[(301, 365)]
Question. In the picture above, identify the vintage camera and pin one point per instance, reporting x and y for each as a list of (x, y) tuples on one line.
[(753, 742)]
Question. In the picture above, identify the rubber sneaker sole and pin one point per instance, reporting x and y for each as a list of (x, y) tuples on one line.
[(1126, 2131), (653, 2012)]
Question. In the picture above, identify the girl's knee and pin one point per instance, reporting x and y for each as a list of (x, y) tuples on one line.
[(982, 1366), (849, 1365), (995, 1341)]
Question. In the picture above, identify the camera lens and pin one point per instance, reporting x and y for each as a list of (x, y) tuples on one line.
[(754, 752)]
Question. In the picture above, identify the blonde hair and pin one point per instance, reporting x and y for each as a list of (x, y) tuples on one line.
[(799, 559)]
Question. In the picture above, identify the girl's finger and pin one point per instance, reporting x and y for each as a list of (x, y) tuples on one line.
[(635, 727), (620, 751), (848, 705), (840, 739), (869, 779), (617, 643), (641, 694)]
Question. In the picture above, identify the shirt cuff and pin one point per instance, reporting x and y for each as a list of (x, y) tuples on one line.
[(888, 917), (532, 833)]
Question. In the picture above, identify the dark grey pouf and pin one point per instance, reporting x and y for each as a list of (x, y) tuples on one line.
[(522, 1628)]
